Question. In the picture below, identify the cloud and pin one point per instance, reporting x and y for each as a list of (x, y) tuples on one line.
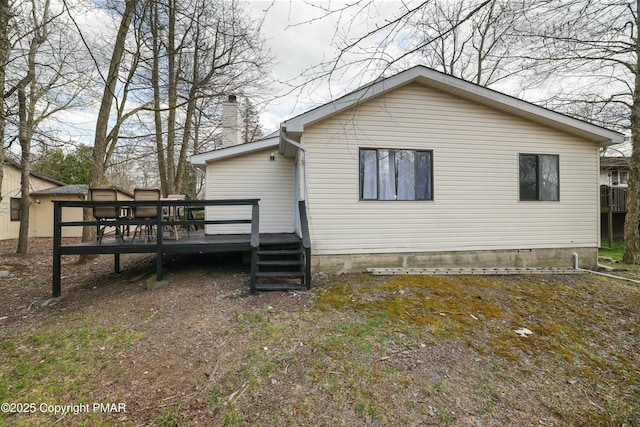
[(306, 38)]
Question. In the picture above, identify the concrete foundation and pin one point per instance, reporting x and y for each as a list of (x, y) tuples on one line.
[(522, 258)]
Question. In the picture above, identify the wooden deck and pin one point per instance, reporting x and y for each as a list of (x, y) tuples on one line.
[(613, 199), (168, 241), (195, 241)]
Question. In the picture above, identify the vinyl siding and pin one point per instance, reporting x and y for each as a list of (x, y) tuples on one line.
[(40, 215), (252, 176), (41, 221), (475, 159)]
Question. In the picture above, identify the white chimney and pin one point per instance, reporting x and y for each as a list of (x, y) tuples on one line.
[(231, 122)]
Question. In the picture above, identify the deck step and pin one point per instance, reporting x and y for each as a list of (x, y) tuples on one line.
[(281, 263), (280, 267), (280, 287), (270, 252), (294, 274)]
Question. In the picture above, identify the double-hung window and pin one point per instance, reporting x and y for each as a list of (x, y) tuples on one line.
[(387, 174), (539, 177)]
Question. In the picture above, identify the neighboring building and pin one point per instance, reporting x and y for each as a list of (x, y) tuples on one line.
[(44, 191), (424, 170), (614, 171), (40, 225), (614, 178)]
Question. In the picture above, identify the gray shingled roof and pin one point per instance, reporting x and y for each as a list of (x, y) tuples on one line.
[(73, 189), (609, 163)]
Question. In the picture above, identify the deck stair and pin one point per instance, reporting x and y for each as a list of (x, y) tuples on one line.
[(280, 266)]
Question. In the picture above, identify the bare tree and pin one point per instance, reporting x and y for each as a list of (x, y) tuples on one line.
[(372, 40), (102, 134), (475, 48), (47, 77), (201, 51), (26, 109), (593, 46), (5, 52), (251, 128)]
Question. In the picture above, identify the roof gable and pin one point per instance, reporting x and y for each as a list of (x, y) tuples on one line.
[(201, 160), (295, 126)]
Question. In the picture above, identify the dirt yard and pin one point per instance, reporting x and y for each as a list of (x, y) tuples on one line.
[(357, 350)]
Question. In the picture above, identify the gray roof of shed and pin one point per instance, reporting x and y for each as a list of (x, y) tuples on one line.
[(72, 189), (75, 190)]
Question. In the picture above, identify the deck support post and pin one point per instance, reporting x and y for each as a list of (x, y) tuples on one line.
[(57, 242), (116, 263), (254, 270), (158, 266), (610, 227), (159, 218), (307, 267)]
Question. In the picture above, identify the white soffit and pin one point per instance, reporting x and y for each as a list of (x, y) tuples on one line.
[(201, 160)]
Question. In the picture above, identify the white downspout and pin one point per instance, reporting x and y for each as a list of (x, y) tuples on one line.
[(305, 170), (305, 174)]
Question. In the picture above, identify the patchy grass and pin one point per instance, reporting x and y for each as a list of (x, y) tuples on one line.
[(357, 350), (614, 252), (51, 363), (364, 350)]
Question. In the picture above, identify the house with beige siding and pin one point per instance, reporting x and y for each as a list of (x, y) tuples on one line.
[(422, 169), (40, 222), (43, 192)]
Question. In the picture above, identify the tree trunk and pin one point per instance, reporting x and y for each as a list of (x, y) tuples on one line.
[(631, 234), (26, 125), (155, 83), (191, 108), (5, 51), (24, 135), (173, 100), (102, 123)]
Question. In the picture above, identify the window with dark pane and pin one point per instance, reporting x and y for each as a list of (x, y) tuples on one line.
[(392, 174), (539, 177)]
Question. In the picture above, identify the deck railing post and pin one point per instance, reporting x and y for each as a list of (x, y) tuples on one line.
[(57, 242)]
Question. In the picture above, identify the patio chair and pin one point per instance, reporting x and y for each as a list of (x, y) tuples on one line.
[(175, 213), (146, 212), (106, 215)]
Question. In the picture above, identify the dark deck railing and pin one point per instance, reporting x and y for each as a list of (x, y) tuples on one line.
[(193, 218), (613, 199)]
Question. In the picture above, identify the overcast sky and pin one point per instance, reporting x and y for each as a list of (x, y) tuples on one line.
[(301, 36)]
